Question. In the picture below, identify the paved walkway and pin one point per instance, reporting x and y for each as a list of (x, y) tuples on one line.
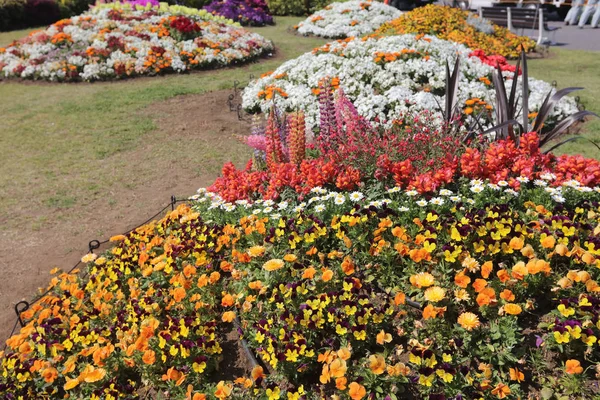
[(570, 37)]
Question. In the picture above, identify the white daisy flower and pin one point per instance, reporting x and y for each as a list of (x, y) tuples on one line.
[(275, 216), (298, 208), (572, 183), (194, 197), (313, 199), (228, 207), (477, 189), (241, 202), (269, 203), (395, 189), (446, 192), (438, 201), (502, 183), (512, 192), (201, 191), (584, 189), (523, 179), (283, 205), (548, 176), (455, 199), (339, 200), (412, 193), (356, 196), (316, 189), (320, 208), (403, 209), (540, 183), (558, 198), (470, 201), (597, 189), (422, 203), (267, 210), (375, 203), (257, 211), (493, 186), (476, 182)]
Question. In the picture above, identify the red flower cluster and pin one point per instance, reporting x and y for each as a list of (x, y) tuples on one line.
[(184, 25), (504, 160), (493, 60)]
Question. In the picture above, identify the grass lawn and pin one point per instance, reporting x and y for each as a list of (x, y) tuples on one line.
[(66, 145), (575, 68)]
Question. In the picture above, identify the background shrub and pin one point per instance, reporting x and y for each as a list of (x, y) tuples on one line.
[(12, 14), (41, 12), (298, 7)]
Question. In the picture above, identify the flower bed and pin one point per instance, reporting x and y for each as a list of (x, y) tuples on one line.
[(459, 26), (246, 12), (351, 18), (387, 78), (112, 41), (391, 265)]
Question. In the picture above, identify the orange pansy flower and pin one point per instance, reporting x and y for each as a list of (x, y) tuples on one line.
[(573, 367), (356, 391), (377, 364)]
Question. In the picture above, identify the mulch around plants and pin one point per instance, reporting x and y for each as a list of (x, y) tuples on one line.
[(28, 255)]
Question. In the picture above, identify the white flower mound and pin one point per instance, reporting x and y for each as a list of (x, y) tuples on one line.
[(386, 90), (90, 53), (352, 18)]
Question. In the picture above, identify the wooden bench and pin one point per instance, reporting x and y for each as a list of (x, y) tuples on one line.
[(519, 18)]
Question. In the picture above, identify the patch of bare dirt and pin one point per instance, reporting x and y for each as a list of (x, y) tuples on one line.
[(205, 121)]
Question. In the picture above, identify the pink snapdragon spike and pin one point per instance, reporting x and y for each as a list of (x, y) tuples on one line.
[(257, 142)]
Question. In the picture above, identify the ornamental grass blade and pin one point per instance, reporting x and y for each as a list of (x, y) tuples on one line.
[(525, 92), (501, 103), (548, 105), (578, 137), (451, 89), (512, 100), (563, 125)]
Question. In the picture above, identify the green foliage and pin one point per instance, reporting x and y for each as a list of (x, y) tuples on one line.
[(69, 8), (12, 14), (297, 7), (190, 3)]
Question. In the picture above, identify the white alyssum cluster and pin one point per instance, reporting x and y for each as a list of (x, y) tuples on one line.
[(386, 90), (346, 19), (37, 57)]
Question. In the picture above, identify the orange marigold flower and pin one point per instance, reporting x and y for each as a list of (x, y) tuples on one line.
[(479, 285), (149, 357), (337, 368), (507, 295), (377, 364), (227, 300), (435, 294), (516, 243), (516, 375), (383, 337), (228, 316), (223, 390), (462, 280), (179, 294), (512, 309), (422, 280), (340, 383), (273, 265), (344, 353), (400, 298), (327, 275), (290, 258), (548, 242), (257, 373), (468, 321), (256, 251), (356, 391), (309, 273), (49, 374), (486, 269), (573, 367), (501, 391)]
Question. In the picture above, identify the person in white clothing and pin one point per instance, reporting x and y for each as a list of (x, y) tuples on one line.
[(573, 15), (593, 6)]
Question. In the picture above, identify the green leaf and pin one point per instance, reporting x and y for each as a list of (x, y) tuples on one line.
[(547, 393)]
